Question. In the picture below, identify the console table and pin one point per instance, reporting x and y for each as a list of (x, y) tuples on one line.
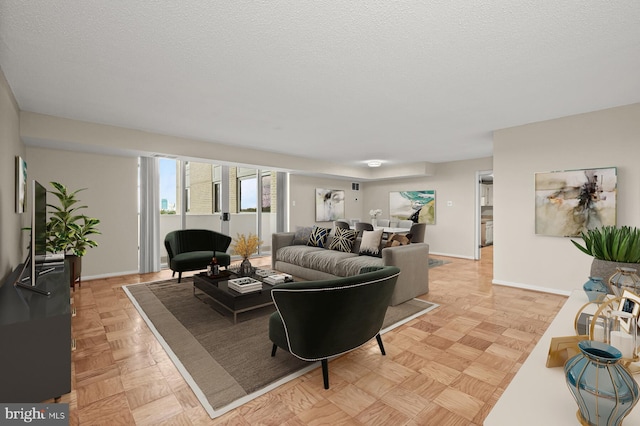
[(35, 336), (538, 395)]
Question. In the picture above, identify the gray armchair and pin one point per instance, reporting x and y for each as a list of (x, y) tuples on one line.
[(317, 320)]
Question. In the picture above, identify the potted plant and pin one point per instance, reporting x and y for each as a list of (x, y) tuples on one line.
[(611, 248), (69, 231)]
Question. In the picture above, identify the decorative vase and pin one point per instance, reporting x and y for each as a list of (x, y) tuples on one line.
[(374, 221), (246, 269), (604, 389), (625, 279), (595, 289), (606, 268)]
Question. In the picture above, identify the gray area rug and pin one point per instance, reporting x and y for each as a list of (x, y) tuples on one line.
[(227, 365), (437, 262)]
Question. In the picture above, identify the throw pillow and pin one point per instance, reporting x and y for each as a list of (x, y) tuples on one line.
[(371, 242), (398, 240), (302, 235), (318, 236), (343, 240)]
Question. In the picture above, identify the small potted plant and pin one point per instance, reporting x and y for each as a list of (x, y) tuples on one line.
[(611, 248), (69, 231)]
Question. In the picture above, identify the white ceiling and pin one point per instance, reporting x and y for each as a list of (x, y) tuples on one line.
[(345, 81)]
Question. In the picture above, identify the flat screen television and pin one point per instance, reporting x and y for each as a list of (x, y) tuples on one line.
[(36, 263)]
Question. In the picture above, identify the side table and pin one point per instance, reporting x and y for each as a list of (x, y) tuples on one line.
[(538, 395)]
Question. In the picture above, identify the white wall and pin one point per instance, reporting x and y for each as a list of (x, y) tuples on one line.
[(12, 248), (302, 192), (453, 234), (608, 138), (111, 196)]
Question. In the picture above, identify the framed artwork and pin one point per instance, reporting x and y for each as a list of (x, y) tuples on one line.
[(570, 202), (629, 303), (419, 206), (21, 185), (329, 204)]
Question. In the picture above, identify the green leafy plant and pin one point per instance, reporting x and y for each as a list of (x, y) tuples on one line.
[(610, 243), (69, 231)]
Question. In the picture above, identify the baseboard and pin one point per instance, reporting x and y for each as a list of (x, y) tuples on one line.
[(109, 275), (532, 287), (451, 255)]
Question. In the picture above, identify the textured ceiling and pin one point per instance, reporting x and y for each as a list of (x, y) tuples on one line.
[(344, 81)]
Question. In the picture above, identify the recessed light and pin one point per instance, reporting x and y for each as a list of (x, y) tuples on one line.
[(374, 163)]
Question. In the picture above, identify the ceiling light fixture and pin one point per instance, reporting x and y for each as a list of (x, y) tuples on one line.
[(374, 163)]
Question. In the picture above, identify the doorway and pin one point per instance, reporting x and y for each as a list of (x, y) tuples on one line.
[(484, 211)]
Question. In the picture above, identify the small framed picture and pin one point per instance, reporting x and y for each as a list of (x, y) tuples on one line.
[(630, 303)]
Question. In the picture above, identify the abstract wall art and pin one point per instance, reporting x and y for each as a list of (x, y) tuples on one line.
[(329, 204), (571, 202), (419, 206), (21, 185)]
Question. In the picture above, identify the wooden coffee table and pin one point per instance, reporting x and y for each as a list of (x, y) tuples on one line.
[(217, 289)]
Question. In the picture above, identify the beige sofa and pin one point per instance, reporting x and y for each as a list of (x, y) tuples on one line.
[(314, 263)]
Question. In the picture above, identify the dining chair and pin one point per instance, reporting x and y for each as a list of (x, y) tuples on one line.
[(363, 226), (417, 232), (383, 222), (341, 224), (405, 224)]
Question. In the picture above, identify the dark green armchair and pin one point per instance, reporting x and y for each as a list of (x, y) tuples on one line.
[(316, 320), (193, 249)]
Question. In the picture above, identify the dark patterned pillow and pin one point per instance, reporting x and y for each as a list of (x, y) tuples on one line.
[(302, 234), (371, 242), (343, 240), (398, 240), (318, 236)]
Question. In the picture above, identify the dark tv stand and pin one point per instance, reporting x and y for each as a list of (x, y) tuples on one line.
[(35, 331)]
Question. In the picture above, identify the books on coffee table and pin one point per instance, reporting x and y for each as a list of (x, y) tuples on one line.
[(265, 272), (278, 279), (245, 285)]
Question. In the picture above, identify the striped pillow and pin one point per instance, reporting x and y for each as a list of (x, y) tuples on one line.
[(343, 240), (318, 237)]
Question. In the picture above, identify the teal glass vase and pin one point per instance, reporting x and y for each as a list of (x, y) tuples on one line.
[(603, 388), (595, 289)]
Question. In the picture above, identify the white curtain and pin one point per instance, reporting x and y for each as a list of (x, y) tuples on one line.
[(149, 215)]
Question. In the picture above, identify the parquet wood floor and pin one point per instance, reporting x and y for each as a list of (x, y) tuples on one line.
[(448, 367)]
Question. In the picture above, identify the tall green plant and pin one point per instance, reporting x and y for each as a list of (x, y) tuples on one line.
[(610, 243), (69, 231)]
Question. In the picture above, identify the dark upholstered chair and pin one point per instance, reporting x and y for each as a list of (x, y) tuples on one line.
[(363, 226), (341, 224), (317, 320), (417, 232), (193, 249)]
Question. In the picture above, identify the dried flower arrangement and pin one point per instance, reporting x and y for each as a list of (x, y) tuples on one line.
[(245, 246)]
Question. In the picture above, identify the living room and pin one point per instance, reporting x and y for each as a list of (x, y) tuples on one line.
[(597, 131)]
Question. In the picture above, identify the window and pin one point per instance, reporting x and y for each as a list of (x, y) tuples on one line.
[(266, 192), (247, 194), (168, 186)]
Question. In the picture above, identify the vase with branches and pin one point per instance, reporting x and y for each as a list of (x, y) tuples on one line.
[(245, 246)]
